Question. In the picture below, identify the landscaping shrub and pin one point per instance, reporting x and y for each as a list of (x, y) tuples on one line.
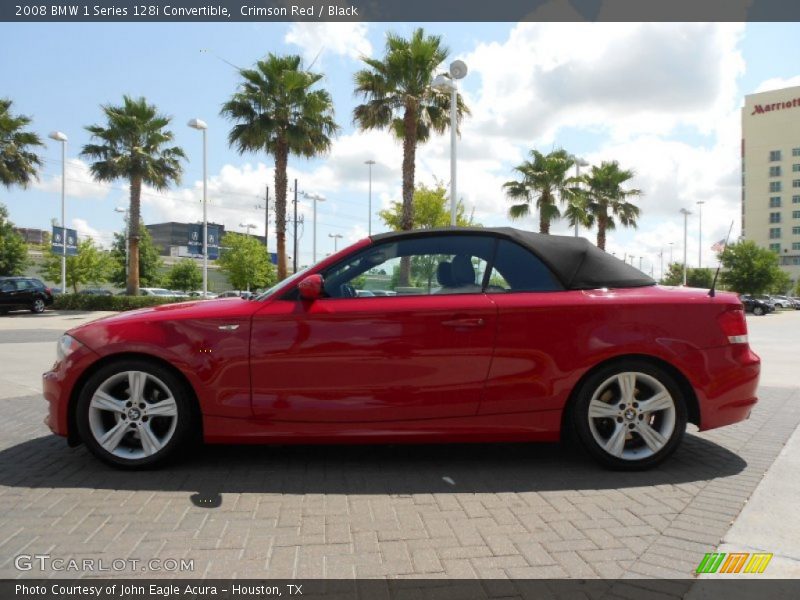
[(117, 303)]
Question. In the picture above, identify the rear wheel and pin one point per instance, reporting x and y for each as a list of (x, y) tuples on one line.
[(758, 311), (38, 305), (630, 416), (134, 414)]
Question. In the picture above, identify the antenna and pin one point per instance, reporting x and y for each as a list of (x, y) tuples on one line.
[(712, 291)]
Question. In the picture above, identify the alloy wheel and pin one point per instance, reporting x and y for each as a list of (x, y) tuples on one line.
[(133, 415), (631, 416)]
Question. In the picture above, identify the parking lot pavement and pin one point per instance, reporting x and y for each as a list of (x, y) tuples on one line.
[(498, 510)]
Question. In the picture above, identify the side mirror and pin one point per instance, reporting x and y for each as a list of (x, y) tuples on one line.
[(311, 287)]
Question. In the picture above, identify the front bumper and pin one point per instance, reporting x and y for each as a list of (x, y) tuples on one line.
[(58, 384)]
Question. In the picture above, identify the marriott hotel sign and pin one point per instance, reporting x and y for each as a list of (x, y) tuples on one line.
[(765, 108)]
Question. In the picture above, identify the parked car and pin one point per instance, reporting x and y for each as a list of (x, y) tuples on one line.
[(199, 294), (236, 294), (754, 305), (96, 292), (783, 302), (17, 293), (568, 341), (151, 291)]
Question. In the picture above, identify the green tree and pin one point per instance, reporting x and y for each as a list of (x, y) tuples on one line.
[(398, 96), (696, 278), (185, 276), (90, 265), (603, 200), (13, 250), (150, 262), (18, 163), (245, 261), (748, 268), (277, 111), (133, 145), (781, 284), (431, 208), (543, 181)]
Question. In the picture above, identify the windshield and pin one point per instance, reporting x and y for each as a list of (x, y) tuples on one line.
[(266, 294)]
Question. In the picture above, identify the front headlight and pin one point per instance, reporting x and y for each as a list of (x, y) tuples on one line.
[(66, 346)]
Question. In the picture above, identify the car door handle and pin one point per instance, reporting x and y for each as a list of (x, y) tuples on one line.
[(463, 323)]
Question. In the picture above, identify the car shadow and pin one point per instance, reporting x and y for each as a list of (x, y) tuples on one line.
[(47, 462)]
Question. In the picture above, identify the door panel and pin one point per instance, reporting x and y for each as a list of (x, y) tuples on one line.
[(372, 359)]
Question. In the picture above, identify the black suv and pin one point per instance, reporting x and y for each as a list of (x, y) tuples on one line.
[(23, 293)]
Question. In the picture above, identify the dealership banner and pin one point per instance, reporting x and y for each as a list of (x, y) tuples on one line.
[(399, 10), (57, 241), (196, 240)]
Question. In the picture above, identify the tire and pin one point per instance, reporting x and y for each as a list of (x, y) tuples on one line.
[(38, 306), (758, 311), (130, 434), (622, 435)]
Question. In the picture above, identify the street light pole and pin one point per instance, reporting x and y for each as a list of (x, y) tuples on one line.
[(336, 237), (61, 137), (686, 214), (369, 226), (315, 198), (119, 209), (700, 243), (202, 126), (458, 70), (294, 257)]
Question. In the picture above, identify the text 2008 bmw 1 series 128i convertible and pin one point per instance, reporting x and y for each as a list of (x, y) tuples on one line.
[(469, 335)]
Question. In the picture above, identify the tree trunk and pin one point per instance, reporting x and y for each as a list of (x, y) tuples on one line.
[(134, 220), (281, 183), (544, 223), (409, 163), (601, 231)]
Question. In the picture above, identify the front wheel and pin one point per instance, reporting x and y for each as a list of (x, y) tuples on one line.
[(630, 416), (134, 414), (758, 311), (38, 305)]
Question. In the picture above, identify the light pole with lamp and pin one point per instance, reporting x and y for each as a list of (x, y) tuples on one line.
[(458, 70), (202, 126), (336, 237), (685, 212), (700, 243), (579, 162), (316, 198), (369, 225), (61, 137), (120, 209), (248, 227)]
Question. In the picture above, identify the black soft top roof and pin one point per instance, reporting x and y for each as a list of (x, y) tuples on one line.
[(577, 263)]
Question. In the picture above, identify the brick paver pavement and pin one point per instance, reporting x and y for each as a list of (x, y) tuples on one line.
[(490, 511)]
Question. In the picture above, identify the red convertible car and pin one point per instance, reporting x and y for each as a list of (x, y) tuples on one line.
[(470, 335)]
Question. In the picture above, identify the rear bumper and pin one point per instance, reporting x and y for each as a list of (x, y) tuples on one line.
[(730, 390)]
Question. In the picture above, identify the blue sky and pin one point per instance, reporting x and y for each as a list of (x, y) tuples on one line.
[(661, 98)]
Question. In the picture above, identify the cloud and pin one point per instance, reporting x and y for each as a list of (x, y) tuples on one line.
[(104, 239), (777, 83), (79, 182), (318, 39)]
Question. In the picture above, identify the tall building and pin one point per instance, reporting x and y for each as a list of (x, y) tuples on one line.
[(771, 174)]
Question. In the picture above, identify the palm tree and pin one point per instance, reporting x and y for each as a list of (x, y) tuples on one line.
[(133, 146), (604, 199), (18, 164), (398, 96), (543, 181), (275, 110)]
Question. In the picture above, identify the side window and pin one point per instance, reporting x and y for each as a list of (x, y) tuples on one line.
[(443, 264), (7, 286), (519, 270)]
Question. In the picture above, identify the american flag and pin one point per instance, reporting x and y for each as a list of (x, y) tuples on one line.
[(719, 246)]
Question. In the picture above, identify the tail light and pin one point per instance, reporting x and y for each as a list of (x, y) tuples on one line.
[(734, 325)]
